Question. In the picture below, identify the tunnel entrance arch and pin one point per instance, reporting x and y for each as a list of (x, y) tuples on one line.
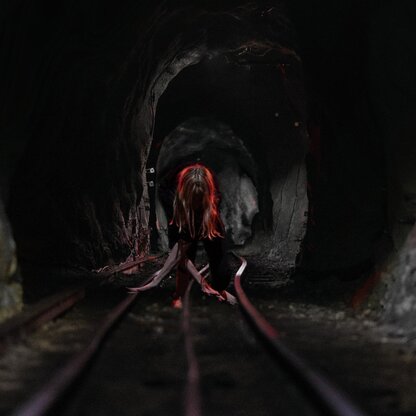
[(89, 196), (264, 103)]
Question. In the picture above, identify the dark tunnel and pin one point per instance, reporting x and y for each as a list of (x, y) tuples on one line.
[(251, 99), (214, 144), (304, 110), (230, 72)]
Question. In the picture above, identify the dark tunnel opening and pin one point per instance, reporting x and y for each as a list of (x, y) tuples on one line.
[(86, 182), (244, 70), (249, 97), (210, 142)]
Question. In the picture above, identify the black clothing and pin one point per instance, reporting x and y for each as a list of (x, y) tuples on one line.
[(216, 249)]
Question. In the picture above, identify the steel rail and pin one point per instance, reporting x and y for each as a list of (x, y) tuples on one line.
[(192, 389), (330, 399), (43, 401), (53, 390), (51, 307), (36, 315)]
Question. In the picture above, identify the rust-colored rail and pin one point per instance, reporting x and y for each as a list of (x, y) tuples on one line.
[(192, 389), (51, 307), (42, 401), (36, 315), (330, 399), (50, 393)]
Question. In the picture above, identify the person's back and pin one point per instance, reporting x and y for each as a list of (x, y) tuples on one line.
[(195, 218)]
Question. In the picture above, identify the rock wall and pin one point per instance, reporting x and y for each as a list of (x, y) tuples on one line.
[(393, 88), (10, 288), (213, 143), (264, 104), (399, 299), (82, 88)]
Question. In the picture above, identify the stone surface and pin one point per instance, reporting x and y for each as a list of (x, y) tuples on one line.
[(290, 207), (276, 144), (214, 144), (8, 262), (392, 91), (87, 117), (399, 303), (10, 288), (239, 204)]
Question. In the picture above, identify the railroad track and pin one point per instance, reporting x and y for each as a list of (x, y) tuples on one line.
[(21, 326), (38, 314), (329, 398), (318, 389), (323, 396)]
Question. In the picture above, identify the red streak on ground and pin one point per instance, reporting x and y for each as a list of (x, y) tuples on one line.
[(364, 291)]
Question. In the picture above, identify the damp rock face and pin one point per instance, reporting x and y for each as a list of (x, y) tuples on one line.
[(7, 248), (10, 289), (400, 294), (263, 105), (239, 204), (290, 207), (393, 94)]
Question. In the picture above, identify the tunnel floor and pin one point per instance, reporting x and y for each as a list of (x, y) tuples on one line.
[(141, 368)]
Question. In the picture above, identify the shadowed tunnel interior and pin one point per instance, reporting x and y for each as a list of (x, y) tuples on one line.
[(303, 109), (224, 98), (207, 141), (222, 64)]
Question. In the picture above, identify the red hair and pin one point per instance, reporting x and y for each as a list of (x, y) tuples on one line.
[(196, 193)]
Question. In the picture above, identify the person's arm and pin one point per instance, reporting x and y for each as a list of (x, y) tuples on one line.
[(206, 287)]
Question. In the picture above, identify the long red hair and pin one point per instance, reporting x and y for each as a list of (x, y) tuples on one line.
[(196, 195)]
